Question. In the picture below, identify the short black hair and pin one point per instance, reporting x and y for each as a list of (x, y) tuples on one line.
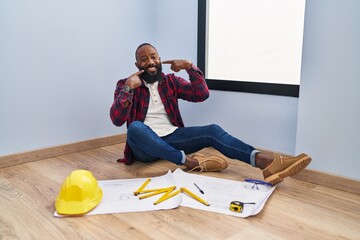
[(143, 44)]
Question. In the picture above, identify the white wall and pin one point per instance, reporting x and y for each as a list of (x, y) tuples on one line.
[(329, 106), (60, 61)]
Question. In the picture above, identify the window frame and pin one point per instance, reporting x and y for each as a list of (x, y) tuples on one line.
[(229, 85)]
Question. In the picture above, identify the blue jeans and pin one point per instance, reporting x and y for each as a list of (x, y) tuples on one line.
[(147, 146)]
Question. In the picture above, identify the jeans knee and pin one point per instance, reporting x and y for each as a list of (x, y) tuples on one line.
[(135, 128), (215, 129)]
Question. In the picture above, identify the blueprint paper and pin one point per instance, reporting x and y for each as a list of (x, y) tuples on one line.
[(220, 192), (118, 195)]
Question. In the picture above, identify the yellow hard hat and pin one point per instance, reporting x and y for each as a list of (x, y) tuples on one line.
[(79, 193)]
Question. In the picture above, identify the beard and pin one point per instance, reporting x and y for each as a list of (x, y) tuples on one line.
[(151, 78)]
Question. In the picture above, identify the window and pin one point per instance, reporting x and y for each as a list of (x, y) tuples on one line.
[(251, 45)]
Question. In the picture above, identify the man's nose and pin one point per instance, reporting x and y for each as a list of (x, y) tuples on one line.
[(150, 61)]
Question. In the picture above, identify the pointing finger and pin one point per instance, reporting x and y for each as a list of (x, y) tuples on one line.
[(138, 73), (167, 62)]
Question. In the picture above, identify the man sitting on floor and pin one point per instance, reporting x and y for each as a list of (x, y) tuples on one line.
[(148, 102)]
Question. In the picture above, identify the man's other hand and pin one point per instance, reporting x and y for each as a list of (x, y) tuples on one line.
[(177, 65)]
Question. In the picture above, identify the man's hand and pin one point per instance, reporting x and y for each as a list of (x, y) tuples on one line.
[(177, 65), (134, 80)]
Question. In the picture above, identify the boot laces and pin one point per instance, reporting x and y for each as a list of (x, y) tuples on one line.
[(278, 155)]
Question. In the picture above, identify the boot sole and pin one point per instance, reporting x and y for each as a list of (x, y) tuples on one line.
[(293, 169)]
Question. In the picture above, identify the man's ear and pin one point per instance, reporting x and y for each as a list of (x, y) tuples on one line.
[(136, 64)]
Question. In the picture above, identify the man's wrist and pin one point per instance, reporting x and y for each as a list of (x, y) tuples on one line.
[(127, 88), (190, 65)]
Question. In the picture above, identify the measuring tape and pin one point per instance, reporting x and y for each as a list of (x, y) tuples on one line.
[(237, 206)]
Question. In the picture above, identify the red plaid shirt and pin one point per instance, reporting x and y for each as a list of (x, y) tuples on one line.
[(171, 88)]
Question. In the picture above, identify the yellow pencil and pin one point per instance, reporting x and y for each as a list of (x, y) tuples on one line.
[(142, 186), (170, 189), (153, 193), (167, 195), (195, 196), (150, 190)]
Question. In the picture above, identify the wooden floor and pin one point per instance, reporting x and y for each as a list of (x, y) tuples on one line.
[(296, 210)]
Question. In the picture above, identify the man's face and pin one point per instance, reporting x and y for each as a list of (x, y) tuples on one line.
[(147, 59)]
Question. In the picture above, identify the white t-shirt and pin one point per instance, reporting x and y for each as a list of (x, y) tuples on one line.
[(156, 117)]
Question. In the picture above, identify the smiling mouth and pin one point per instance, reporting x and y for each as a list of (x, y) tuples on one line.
[(152, 69)]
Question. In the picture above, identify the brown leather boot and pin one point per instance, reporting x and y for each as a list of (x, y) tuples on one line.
[(211, 163), (283, 167)]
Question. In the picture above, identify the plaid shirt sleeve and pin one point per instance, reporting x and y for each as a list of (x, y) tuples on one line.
[(118, 111), (194, 91), (175, 87)]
